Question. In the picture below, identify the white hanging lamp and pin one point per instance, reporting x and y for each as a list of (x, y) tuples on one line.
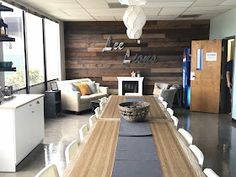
[(134, 34), (134, 17), (133, 2), (126, 15)]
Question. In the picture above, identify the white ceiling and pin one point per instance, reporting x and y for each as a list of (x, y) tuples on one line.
[(98, 10)]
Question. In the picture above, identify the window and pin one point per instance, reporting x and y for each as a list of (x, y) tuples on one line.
[(35, 49), (35, 56), (52, 49), (14, 51)]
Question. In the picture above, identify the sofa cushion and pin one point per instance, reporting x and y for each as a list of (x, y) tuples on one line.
[(94, 96), (92, 87), (83, 87)]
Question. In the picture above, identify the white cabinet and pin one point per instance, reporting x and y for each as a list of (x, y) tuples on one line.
[(21, 129)]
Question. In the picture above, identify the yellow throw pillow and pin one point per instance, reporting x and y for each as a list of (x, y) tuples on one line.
[(84, 88)]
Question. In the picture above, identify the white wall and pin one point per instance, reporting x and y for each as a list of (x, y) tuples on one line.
[(62, 52), (223, 26)]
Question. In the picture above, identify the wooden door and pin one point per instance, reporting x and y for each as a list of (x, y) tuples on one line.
[(205, 75)]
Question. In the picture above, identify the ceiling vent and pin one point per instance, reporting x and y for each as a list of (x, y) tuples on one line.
[(116, 5), (189, 16)]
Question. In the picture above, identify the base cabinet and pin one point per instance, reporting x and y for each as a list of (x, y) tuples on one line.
[(21, 130)]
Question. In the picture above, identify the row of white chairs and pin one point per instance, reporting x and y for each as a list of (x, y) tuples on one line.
[(196, 152), (189, 140), (98, 110), (73, 147), (70, 151), (169, 111)]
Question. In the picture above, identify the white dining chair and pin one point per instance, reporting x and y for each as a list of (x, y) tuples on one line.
[(104, 99), (71, 150), (97, 112), (92, 121), (210, 173), (164, 103), (170, 111), (197, 153), (175, 120), (83, 131), (48, 171), (187, 136), (160, 98), (102, 105)]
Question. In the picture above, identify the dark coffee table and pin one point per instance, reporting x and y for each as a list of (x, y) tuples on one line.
[(95, 104)]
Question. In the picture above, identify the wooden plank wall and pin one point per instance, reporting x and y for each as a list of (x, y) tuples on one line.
[(84, 42)]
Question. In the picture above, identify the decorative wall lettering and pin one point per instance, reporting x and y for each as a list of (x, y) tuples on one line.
[(139, 58), (110, 46)]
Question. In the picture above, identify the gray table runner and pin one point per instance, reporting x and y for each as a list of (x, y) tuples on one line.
[(136, 153), (134, 129)]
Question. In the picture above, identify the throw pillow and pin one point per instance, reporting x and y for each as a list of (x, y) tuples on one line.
[(97, 87), (92, 87), (74, 87), (84, 88), (157, 90)]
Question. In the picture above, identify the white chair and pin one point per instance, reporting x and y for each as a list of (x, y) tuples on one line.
[(198, 154), (102, 105), (170, 111), (210, 173), (187, 136), (71, 150), (48, 171), (104, 99), (97, 112), (83, 131), (160, 98), (164, 103), (175, 120), (92, 120)]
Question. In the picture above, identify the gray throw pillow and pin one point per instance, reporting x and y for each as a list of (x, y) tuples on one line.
[(92, 87)]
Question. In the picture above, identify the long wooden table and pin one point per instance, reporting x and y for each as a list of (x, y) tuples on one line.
[(96, 156)]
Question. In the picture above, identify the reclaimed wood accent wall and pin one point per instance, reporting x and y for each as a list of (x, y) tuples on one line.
[(84, 42)]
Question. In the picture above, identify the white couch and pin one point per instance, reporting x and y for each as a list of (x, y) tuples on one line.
[(73, 100)]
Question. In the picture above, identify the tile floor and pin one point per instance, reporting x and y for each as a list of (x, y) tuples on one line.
[(214, 134)]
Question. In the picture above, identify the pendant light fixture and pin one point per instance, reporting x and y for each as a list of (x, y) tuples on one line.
[(134, 18), (134, 34)]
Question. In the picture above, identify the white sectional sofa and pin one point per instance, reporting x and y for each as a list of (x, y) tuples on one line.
[(72, 100)]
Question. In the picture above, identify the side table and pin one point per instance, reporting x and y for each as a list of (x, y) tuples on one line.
[(52, 103)]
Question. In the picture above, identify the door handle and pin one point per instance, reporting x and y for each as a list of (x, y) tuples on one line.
[(192, 76)]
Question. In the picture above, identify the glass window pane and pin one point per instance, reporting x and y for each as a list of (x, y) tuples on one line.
[(34, 37), (52, 49), (14, 51)]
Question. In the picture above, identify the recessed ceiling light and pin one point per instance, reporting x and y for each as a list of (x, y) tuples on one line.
[(189, 16), (116, 5)]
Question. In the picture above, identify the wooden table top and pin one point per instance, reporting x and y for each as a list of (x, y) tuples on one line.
[(111, 110), (175, 157), (96, 156)]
